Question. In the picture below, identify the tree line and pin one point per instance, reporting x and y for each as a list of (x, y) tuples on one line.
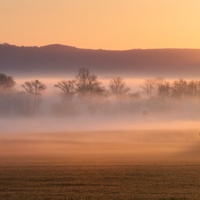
[(177, 89), (87, 89)]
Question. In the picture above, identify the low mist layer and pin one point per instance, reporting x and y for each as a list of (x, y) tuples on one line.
[(85, 122), (101, 147), (98, 139)]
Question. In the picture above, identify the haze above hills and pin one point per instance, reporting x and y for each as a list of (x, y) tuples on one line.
[(55, 60)]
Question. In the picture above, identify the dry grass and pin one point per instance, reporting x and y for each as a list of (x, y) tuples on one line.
[(139, 182), (132, 165)]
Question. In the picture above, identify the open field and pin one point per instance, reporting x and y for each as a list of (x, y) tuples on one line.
[(139, 182), (135, 165)]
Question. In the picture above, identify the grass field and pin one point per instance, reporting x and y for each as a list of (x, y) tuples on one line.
[(132, 165), (139, 182)]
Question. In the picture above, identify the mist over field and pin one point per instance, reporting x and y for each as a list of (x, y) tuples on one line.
[(109, 114), (129, 127)]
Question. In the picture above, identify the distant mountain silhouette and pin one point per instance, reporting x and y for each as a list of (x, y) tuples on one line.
[(58, 59)]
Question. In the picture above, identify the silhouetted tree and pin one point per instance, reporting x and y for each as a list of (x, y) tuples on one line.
[(162, 87), (87, 83), (192, 88), (164, 90), (7, 83), (34, 89), (67, 91), (179, 88), (148, 87), (88, 86), (67, 88), (118, 87)]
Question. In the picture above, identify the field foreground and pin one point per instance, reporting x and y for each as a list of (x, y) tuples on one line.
[(135, 165), (139, 182)]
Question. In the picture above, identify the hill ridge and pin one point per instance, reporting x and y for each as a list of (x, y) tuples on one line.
[(59, 59)]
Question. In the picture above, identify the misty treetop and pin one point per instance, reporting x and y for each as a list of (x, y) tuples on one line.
[(181, 88), (67, 88), (34, 88), (86, 92), (7, 83), (87, 83), (118, 87)]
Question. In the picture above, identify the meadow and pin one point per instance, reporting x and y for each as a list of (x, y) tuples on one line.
[(87, 165), (81, 182)]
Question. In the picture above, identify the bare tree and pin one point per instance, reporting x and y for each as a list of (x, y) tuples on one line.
[(162, 87), (159, 81), (164, 90), (67, 88), (7, 83), (67, 91), (87, 83), (148, 87), (192, 88), (6, 94), (118, 87), (179, 88), (34, 89)]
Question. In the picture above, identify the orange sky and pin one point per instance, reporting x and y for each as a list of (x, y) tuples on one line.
[(106, 24)]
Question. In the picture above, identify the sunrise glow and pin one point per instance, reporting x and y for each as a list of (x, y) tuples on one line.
[(113, 24)]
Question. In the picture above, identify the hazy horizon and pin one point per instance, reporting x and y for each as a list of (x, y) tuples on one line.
[(58, 60)]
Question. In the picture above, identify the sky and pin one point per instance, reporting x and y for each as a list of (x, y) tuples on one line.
[(101, 24)]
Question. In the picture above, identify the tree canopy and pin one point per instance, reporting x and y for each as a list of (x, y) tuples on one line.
[(87, 83), (6, 82), (34, 88), (118, 87), (67, 88)]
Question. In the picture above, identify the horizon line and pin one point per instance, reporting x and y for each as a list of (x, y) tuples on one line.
[(98, 49)]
